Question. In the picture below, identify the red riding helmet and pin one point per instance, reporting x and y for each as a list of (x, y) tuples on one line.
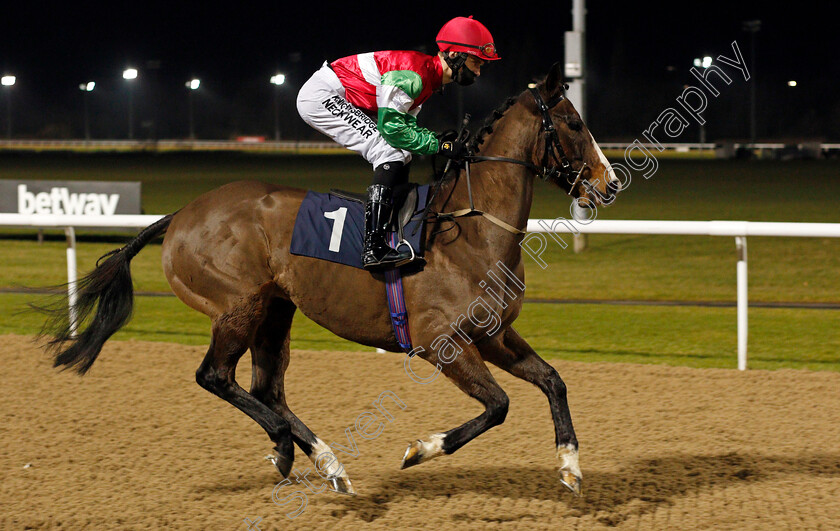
[(464, 34)]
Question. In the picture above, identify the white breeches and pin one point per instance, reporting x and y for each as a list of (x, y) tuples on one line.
[(321, 104)]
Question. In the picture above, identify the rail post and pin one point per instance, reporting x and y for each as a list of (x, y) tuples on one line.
[(741, 273), (71, 278), (580, 240)]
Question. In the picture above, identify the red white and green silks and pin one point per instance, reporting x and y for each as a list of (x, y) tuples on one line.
[(393, 85)]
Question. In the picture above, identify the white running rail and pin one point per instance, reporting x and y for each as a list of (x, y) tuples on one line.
[(740, 230), (69, 224)]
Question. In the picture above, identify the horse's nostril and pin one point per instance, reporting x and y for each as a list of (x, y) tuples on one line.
[(613, 187)]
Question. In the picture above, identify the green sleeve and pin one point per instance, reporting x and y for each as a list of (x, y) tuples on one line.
[(397, 126), (401, 131)]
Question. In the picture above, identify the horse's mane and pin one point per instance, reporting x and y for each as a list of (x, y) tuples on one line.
[(487, 128), (475, 144)]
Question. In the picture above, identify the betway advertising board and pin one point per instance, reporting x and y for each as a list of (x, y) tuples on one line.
[(80, 198)]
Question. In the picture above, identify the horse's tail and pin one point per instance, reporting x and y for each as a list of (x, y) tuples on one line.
[(104, 301)]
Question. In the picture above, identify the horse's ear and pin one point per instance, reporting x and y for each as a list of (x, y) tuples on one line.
[(554, 81)]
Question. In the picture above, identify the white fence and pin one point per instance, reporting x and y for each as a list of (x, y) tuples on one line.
[(69, 224), (740, 230)]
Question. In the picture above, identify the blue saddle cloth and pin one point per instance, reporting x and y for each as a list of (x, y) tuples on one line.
[(332, 228)]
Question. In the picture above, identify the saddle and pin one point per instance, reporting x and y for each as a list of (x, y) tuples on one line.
[(331, 226), (405, 195)]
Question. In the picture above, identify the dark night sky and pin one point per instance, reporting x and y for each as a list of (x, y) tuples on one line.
[(235, 48)]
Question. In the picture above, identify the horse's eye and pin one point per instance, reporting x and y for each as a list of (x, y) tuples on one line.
[(575, 124)]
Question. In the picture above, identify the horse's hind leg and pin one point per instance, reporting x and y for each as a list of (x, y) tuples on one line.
[(232, 333), (471, 375), (512, 354), (270, 358)]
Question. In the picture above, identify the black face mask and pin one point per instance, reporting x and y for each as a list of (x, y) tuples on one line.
[(464, 76), (460, 73)]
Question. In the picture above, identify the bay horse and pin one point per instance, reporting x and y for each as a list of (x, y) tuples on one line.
[(226, 254)]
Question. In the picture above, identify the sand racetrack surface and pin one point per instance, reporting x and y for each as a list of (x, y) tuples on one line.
[(136, 444)]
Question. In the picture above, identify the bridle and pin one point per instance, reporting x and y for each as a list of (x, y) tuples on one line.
[(555, 166)]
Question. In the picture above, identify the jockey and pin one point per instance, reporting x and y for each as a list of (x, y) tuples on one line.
[(369, 103)]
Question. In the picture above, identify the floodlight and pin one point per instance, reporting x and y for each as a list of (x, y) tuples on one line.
[(704, 62), (278, 79), (193, 84), (8, 81), (130, 74)]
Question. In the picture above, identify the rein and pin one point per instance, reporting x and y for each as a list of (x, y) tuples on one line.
[(561, 172)]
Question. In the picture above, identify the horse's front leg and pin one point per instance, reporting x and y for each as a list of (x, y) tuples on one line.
[(511, 353), (472, 376)]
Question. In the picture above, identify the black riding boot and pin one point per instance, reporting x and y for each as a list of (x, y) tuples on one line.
[(377, 255)]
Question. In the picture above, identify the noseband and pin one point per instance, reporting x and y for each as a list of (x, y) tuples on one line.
[(555, 166)]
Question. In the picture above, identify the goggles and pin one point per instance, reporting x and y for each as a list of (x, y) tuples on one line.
[(487, 50)]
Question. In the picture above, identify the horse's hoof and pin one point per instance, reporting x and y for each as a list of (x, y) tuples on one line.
[(342, 486), (413, 455), (420, 451), (570, 474), (281, 463), (571, 482)]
